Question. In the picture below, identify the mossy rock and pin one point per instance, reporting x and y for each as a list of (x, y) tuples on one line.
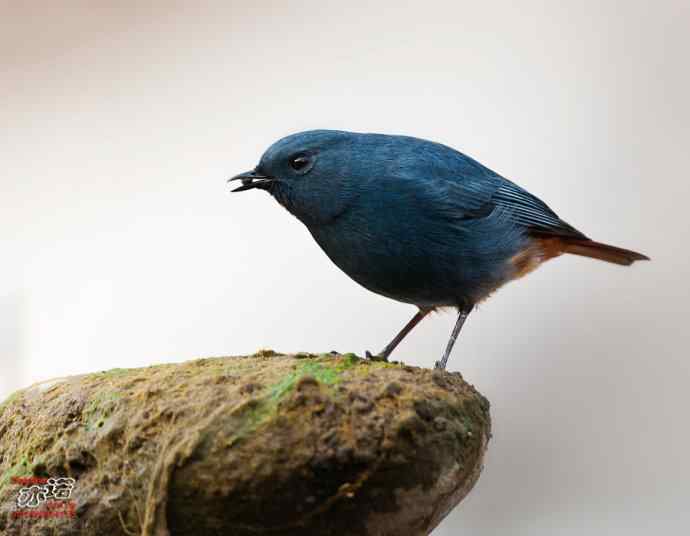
[(264, 444)]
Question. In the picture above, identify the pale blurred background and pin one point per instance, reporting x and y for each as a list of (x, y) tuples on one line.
[(122, 247)]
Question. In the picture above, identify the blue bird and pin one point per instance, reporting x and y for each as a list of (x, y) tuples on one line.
[(416, 221)]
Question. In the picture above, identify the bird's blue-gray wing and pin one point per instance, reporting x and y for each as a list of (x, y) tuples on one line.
[(530, 211), (476, 191)]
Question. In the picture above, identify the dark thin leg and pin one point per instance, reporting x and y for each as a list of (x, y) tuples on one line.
[(462, 316), (383, 355)]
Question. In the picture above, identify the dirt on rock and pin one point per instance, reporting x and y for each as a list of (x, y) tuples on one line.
[(264, 444)]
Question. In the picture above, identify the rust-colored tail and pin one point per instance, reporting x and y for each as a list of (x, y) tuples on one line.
[(604, 252)]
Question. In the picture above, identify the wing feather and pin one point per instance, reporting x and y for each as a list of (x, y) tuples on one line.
[(530, 211)]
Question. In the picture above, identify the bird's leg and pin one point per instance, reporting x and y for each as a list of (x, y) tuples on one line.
[(462, 316), (383, 355)]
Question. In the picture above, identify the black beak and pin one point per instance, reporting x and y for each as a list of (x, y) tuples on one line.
[(251, 179)]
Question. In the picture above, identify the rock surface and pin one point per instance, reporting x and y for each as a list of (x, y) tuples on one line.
[(265, 444)]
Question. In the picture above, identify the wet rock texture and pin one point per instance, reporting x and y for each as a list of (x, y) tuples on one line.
[(265, 444)]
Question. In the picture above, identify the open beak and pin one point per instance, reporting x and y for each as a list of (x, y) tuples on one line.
[(251, 179)]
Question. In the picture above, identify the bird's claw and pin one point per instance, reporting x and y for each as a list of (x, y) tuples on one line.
[(376, 357), (439, 366)]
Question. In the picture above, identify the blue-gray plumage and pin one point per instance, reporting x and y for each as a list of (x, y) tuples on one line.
[(414, 220)]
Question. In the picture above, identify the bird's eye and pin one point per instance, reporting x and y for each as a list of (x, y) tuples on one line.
[(299, 161)]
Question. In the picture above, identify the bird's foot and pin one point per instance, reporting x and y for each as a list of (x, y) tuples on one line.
[(439, 366), (377, 357)]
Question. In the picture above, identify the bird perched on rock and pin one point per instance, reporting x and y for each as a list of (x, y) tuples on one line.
[(415, 220)]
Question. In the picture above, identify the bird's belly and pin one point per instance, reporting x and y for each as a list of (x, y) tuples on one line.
[(423, 275)]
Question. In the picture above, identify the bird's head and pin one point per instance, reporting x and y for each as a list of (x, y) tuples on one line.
[(313, 174)]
